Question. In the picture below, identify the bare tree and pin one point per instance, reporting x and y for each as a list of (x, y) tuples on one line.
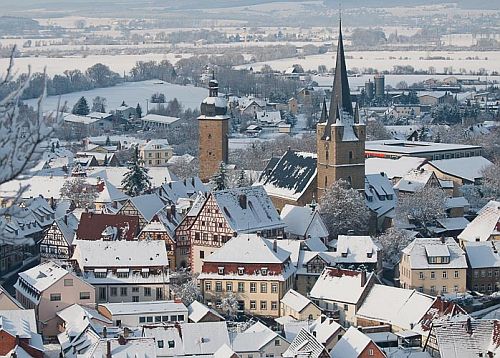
[(229, 304), (22, 135), (392, 242), (422, 208), (81, 193), (343, 209), (186, 288)]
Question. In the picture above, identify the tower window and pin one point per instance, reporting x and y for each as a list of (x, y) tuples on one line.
[(349, 180), (327, 155), (326, 181), (350, 156), (209, 135)]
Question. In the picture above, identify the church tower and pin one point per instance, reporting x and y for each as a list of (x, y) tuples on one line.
[(340, 135), (213, 132)]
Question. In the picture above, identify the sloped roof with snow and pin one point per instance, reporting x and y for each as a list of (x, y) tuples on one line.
[(43, 276), (303, 221), (379, 193), (486, 224), (248, 209), (482, 254), (359, 249), (396, 306), (120, 253), (92, 225), (156, 144), (249, 248), (305, 344), (148, 205), (146, 307), (197, 311), (340, 285), (67, 226), (351, 345), (393, 168), (468, 168), (421, 248), (157, 118), (414, 180), (295, 300), (252, 339), (291, 176)]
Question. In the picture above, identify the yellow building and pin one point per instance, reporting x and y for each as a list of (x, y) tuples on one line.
[(433, 266), (293, 304), (254, 269), (156, 153)]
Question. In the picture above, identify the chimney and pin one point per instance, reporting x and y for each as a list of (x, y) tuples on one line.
[(65, 219), (172, 209), (242, 199), (108, 349), (275, 245), (122, 341), (363, 278), (104, 332), (443, 239)]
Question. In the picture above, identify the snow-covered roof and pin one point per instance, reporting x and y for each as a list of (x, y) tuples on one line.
[(147, 307), (289, 176), (482, 254), (293, 247), (197, 311), (74, 118), (99, 115), (303, 221), (324, 328), (272, 117), (156, 118), (110, 193), (120, 253), (22, 324), (398, 307), (356, 249), (458, 223), (393, 168), (351, 345), (379, 194), (468, 168), (249, 248), (340, 285), (404, 147), (67, 226), (414, 180), (295, 300), (156, 144), (220, 102), (486, 224), (456, 202), (114, 175), (180, 159), (248, 209), (134, 347), (148, 205), (253, 339), (182, 189), (421, 249), (43, 276), (225, 352), (305, 344)]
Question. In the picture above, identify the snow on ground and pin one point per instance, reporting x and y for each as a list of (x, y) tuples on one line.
[(132, 93), (57, 65), (385, 60)]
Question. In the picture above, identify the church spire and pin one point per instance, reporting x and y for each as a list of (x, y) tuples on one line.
[(341, 95), (324, 113)]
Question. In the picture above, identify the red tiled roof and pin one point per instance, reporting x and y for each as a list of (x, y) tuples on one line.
[(92, 225)]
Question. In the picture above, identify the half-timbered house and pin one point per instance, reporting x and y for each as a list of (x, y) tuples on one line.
[(217, 217), (57, 241)]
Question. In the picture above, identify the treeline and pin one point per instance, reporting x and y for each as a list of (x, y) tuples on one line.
[(96, 76)]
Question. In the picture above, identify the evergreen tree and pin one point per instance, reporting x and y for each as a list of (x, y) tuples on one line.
[(108, 141), (81, 107), (136, 181), (219, 179), (138, 111)]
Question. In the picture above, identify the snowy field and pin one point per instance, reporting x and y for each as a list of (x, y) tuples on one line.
[(57, 65), (386, 60), (132, 93)]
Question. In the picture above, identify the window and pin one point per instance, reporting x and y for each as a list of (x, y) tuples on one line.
[(135, 298), (160, 344), (490, 273), (253, 287), (100, 274), (113, 291), (241, 270), (68, 282), (455, 288), (229, 286), (221, 270), (346, 308), (433, 289), (263, 287), (370, 352), (208, 285), (421, 275), (102, 293), (253, 305), (171, 344), (202, 254), (122, 274), (263, 271), (157, 319), (433, 275), (149, 319), (142, 319), (274, 288), (218, 286), (444, 290), (123, 291), (84, 295), (147, 291), (456, 274), (445, 274), (164, 318), (180, 318), (241, 287), (277, 342), (476, 274), (55, 296), (135, 289), (274, 305), (263, 305)]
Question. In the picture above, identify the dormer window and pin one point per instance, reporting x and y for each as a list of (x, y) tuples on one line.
[(241, 270), (263, 271), (221, 270), (369, 255), (344, 254)]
